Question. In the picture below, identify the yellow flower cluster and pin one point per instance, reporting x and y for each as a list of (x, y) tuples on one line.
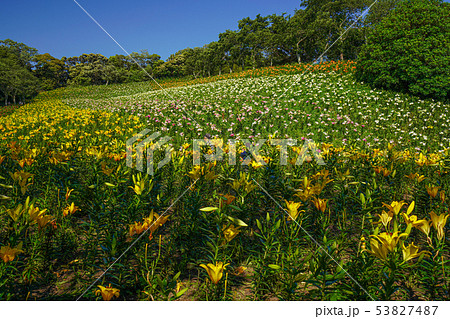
[(151, 223), (9, 254)]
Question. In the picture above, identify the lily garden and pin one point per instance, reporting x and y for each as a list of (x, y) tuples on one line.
[(371, 223)]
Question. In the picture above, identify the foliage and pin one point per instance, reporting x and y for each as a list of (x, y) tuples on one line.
[(409, 51), (16, 79), (372, 223), (51, 71)]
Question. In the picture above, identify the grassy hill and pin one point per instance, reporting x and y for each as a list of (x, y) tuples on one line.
[(345, 230)]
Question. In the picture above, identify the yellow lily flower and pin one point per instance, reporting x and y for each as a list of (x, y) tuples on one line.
[(395, 206), (137, 228), (240, 270), (377, 152), (321, 204), (227, 201), (43, 220), (230, 232), (35, 212), (108, 292), (415, 176), (22, 178), (196, 172), (432, 190), (256, 164), (16, 213), (377, 249), (439, 223), (412, 220), (292, 208), (243, 182), (390, 146), (106, 170), (8, 254), (153, 222), (215, 272), (382, 170), (206, 171), (307, 193), (138, 187), (69, 210), (179, 285), (420, 178), (389, 241), (424, 226), (309, 190), (411, 252), (68, 192), (22, 163), (385, 218), (210, 175), (422, 160)]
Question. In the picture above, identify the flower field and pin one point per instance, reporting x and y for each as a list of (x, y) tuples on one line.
[(369, 224)]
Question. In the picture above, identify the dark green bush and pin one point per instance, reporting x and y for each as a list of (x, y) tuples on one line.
[(409, 50)]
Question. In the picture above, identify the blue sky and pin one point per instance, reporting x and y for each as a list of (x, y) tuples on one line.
[(61, 28)]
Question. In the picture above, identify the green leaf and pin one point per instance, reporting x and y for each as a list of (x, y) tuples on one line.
[(181, 292), (177, 275), (235, 208)]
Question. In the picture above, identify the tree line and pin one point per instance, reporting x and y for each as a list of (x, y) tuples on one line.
[(317, 26)]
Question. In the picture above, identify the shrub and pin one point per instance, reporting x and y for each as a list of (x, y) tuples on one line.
[(409, 50)]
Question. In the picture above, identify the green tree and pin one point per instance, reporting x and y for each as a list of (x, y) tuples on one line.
[(253, 35), (24, 53), (409, 50), (91, 69), (277, 46), (16, 80), (378, 11), (300, 36), (232, 49), (334, 27), (214, 55), (194, 63), (50, 71), (175, 66)]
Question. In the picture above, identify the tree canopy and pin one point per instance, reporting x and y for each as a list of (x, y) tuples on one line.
[(17, 82), (409, 50)]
